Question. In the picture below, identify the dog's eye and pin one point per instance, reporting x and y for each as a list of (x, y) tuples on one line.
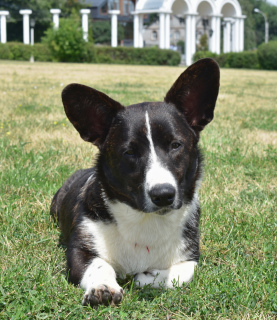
[(129, 153), (175, 145)]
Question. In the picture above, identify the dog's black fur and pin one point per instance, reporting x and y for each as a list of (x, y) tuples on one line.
[(146, 176)]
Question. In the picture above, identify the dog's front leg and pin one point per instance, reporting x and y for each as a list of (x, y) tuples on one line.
[(100, 285), (176, 275)]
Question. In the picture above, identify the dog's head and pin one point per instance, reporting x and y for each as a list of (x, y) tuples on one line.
[(148, 151)]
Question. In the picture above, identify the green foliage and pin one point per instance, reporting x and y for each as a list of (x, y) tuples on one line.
[(102, 32), (41, 52), (40, 12), (90, 53), (267, 54), (66, 43), (203, 54), (245, 59), (23, 52), (20, 51), (254, 23), (203, 43), (138, 56), (5, 52), (181, 46)]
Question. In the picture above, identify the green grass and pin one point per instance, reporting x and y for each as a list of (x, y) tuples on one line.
[(39, 149)]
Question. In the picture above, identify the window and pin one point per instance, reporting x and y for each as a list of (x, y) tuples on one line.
[(154, 35)]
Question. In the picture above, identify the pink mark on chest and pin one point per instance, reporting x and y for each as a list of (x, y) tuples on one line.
[(146, 247)]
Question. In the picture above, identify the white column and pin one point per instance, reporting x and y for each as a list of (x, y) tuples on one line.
[(162, 30), (212, 40), (136, 30), (241, 37), (85, 13), (188, 40), (3, 25), (32, 36), (114, 39), (227, 36), (55, 13), (140, 33), (218, 36), (167, 30), (193, 35), (235, 35), (26, 25)]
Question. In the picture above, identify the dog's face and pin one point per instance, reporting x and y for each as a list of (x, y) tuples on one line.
[(148, 152), (149, 159)]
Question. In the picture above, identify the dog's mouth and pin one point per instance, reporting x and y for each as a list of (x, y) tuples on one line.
[(163, 211)]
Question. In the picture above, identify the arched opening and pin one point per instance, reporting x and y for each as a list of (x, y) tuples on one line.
[(204, 29), (204, 8), (230, 29), (228, 10), (179, 7)]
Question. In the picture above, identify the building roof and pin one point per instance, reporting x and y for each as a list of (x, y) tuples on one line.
[(95, 3), (152, 4)]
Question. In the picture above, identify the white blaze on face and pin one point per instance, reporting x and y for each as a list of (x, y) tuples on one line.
[(156, 173)]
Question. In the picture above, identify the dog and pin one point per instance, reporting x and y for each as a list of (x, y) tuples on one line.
[(136, 211)]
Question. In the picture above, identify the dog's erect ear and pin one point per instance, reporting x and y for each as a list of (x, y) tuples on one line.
[(195, 92), (90, 111)]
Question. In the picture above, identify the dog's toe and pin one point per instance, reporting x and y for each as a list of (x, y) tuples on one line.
[(90, 299), (102, 294), (117, 296)]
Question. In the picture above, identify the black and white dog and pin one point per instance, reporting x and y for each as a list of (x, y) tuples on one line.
[(137, 211)]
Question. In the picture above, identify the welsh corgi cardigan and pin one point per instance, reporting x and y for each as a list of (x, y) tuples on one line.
[(137, 211)]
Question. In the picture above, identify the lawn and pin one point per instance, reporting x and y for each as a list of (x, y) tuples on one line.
[(39, 149)]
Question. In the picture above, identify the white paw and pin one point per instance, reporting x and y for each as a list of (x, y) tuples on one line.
[(153, 278), (176, 275), (100, 285), (103, 294)]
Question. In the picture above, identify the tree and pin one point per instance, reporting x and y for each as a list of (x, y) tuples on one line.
[(67, 43), (254, 23), (40, 12), (102, 32)]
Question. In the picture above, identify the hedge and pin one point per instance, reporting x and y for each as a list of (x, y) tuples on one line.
[(94, 54), (22, 52), (244, 59), (142, 56), (267, 55)]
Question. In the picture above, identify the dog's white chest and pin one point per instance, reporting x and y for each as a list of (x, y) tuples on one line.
[(138, 242)]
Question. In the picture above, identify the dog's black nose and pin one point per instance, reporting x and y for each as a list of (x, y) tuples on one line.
[(162, 195)]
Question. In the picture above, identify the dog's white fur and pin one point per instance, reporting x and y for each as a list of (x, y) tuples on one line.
[(146, 244), (140, 242), (156, 172)]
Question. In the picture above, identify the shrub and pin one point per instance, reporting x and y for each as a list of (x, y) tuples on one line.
[(244, 59), (23, 52), (203, 43), (94, 54), (203, 54), (267, 55), (66, 43), (5, 52), (101, 31), (42, 52), (20, 51), (138, 56)]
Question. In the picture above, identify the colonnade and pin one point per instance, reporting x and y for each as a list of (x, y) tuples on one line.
[(26, 13)]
